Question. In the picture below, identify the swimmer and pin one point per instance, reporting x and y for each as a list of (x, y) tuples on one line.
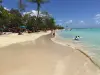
[(76, 38)]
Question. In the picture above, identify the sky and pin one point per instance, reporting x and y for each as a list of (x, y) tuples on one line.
[(71, 13)]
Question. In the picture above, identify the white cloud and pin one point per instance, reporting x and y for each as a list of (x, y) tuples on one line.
[(97, 21), (97, 18), (82, 22), (6, 8), (33, 13), (69, 22), (60, 20)]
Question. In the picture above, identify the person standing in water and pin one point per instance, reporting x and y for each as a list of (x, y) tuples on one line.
[(77, 37)]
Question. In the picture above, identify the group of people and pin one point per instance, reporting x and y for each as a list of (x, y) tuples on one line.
[(76, 37)]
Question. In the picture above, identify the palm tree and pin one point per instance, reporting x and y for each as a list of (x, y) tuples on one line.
[(21, 8), (46, 14), (38, 2)]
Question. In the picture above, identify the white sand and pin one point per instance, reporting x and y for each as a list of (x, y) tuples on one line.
[(13, 38), (44, 57)]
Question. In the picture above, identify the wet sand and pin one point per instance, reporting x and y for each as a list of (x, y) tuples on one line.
[(44, 57)]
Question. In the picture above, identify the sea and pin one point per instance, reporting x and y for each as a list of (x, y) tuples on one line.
[(89, 41)]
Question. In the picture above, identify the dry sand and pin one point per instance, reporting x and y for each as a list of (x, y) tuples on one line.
[(44, 57), (13, 38)]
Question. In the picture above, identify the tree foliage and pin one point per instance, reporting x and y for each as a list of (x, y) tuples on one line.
[(13, 19)]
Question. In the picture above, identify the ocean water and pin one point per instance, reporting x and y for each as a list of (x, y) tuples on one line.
[(89, 39)]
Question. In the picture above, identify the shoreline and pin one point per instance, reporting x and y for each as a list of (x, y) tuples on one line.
[(60, 40), (39, 35), (44, 57), (89, 57)]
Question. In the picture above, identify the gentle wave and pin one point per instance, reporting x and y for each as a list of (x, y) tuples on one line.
[(88, 49)]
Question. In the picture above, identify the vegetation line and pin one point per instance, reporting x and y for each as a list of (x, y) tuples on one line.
[(18, 21)]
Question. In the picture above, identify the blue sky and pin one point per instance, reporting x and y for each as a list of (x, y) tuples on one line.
[(74, 13)]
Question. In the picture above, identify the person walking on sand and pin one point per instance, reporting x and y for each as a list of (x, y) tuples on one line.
[(53, 33)]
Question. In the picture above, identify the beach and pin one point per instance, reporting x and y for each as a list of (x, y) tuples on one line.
[(13, 38), (87, 43), (39, 55)]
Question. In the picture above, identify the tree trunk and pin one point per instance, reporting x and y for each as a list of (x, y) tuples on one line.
[(38, 10)]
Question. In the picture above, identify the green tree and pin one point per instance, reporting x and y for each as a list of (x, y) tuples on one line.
[(51, 23), (45, 14), (16, 19), (4, 15), (38, 2), (25, 18)]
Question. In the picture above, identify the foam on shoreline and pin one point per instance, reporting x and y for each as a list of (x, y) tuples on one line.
[(44, 57), (76, 46)]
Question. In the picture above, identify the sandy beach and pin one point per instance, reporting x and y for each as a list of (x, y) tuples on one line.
[(13, 38), (42, 56)]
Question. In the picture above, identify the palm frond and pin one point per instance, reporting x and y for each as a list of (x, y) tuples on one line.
[(32, 1), (38, 1), (44, 1)]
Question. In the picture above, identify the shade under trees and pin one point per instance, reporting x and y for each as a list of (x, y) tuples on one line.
[(12, 20)]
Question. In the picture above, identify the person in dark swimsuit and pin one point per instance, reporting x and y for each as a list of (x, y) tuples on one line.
[(76, 38)]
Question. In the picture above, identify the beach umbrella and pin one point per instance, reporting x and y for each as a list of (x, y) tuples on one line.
[(22, 26), (1, 29)]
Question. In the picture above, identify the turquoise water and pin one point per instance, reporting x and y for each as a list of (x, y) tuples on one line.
[(90, 38)]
